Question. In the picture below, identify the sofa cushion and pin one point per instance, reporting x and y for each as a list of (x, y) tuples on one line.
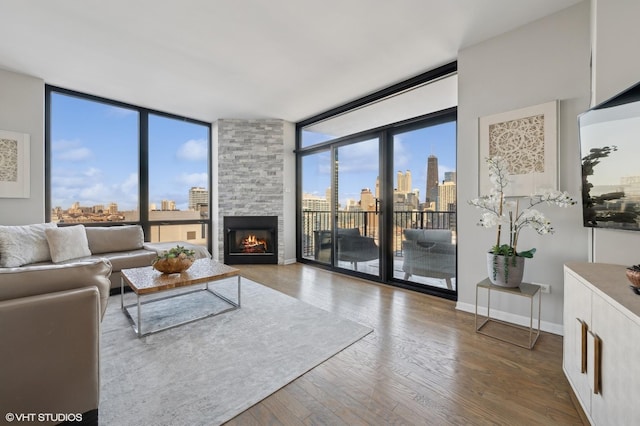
[(67, 243), (21, 245), (114, 238), (129, 259), (41, 279)]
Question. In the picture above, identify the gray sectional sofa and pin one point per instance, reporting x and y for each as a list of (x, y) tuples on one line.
[(48, 244)]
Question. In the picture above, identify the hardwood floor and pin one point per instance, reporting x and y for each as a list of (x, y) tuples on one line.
[(424, 364)]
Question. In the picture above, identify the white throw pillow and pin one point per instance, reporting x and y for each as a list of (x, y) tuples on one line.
[(69, 242), (22, 245)]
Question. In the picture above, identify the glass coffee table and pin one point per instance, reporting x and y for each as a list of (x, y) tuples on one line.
[(146, 282)]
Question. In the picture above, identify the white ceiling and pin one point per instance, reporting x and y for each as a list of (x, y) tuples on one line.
[(210, 59)]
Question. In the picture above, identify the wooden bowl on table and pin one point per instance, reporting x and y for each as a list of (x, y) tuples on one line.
[(173, 265)]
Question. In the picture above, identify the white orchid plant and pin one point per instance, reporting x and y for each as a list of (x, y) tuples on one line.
[(516, 214)]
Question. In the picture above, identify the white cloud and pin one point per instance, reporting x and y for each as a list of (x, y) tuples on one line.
[(194, 179), (401, 157), (70, 150), (193, 150), (94, 194), (359, 157), (93, 172), (65, 144), (80, 154), (130, 184)]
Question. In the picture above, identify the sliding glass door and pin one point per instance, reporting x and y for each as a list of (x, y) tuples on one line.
[(357, 189), (340, 206), (383, 204), (317, 222), (424, 205)]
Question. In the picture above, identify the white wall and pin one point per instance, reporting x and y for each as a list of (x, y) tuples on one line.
[(540, 62), (616, 67), (22, 110)]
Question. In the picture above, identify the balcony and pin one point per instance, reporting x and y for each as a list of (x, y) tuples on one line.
[(314, 222)]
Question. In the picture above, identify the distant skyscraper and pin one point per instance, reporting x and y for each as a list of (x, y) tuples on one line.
[(404, 182), (198, 197), (367, 201), (432, 179), (450, 176), (447, 196), (168, 205)]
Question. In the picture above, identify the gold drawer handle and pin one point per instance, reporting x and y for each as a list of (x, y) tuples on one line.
[(597, 371), (583, 345)]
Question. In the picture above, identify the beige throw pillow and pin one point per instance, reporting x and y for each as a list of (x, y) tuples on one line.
[(25, 244), (69, 242)]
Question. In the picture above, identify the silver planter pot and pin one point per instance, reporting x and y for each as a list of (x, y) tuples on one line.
[(509, 275)]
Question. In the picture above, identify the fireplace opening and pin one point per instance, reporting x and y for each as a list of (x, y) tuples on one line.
[(251, 239)]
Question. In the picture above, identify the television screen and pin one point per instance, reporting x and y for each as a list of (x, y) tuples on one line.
[(610, 153)]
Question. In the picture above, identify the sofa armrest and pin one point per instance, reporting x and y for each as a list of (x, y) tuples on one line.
[(42, 279), (50, 352)]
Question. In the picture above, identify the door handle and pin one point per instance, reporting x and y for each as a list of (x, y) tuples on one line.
[(596, 370)]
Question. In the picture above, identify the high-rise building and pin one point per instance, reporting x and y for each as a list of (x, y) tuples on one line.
[(450, 176), (315, 203), (404, 182), (447, 196), (432, 179), (367, 201), (168, 205), (198, 197)]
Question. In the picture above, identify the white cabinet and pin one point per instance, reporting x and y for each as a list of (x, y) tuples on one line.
[(601, 351), (577, 320)]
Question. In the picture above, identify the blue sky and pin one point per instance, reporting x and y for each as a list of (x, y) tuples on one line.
[(95, 155), (358, 164)]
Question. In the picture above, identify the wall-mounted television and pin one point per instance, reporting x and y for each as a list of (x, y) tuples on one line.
[(610, 158)]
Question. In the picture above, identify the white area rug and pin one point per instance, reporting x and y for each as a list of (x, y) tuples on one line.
[(209, 371)]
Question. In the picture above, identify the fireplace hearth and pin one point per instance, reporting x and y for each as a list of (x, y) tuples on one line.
[(250, 239)]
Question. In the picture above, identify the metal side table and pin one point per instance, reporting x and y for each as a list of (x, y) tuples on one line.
[(524, 290)]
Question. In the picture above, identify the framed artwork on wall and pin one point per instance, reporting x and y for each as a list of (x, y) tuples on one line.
[(14, 165), (527, 139)]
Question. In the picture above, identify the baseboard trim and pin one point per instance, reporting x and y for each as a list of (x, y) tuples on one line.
[(549, 327), (290, 261)]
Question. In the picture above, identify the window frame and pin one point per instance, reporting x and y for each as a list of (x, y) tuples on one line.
[(384, 133), (143, 161)]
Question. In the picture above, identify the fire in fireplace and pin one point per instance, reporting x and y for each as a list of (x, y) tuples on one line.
[(251, 239), (253, 244)]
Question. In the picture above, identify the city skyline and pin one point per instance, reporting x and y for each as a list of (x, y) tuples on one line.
[(358, 163)]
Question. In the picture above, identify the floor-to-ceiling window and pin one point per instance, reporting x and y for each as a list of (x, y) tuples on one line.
[(377, 195), (112, 163)]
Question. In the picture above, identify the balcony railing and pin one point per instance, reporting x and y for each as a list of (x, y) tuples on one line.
[(367, 223)]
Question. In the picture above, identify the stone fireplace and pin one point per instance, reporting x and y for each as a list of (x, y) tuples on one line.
[(250, 184)]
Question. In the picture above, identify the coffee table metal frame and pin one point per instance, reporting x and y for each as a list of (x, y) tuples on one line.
[(202, 271)]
